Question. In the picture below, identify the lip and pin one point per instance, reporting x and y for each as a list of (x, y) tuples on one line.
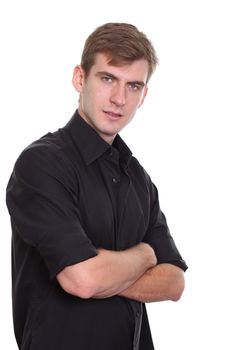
[(113, 115)]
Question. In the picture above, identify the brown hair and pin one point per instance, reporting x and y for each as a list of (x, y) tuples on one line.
[(122, 42)]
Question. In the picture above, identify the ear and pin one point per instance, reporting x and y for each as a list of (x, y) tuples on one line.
[(143, 96), (78, 78)]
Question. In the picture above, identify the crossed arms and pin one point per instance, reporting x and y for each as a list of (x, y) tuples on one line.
[(37, 186), (132, 273)]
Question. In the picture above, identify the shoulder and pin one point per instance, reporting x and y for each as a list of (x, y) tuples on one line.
[(139, 171), (43, 150), (46, 155), (141, 176), (137, 168)]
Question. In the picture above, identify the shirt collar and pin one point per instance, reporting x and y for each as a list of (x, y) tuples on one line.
[(91, 145), (124, 151)]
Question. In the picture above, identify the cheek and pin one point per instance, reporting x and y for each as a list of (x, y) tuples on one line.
[(97, 97), (90, 99), (134, 104)]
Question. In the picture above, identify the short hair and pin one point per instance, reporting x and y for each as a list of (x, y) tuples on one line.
[(122, 43)]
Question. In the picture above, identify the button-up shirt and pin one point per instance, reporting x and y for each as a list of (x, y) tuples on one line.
[(71, 193)]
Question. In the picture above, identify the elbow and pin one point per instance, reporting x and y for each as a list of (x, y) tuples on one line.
[(176, 295), (177, 289), (83, 291), (82, 285)]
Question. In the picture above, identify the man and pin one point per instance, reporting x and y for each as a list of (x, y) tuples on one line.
[(90, 243)]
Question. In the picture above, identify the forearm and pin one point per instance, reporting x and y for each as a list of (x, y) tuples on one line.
[(159, 283), (108, 273), (118, 270)]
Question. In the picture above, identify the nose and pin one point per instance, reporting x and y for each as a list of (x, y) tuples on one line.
[(118, 95)]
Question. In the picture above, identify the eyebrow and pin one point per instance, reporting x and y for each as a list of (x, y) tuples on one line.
[(136, 82)]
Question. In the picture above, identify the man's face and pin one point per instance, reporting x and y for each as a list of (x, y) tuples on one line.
[(110, 95)]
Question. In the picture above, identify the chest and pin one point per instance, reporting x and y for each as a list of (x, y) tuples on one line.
[(113, 204)]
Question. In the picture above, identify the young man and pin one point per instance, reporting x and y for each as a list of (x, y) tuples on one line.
[(90, 243)]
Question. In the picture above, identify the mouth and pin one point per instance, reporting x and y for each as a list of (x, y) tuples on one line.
[(113, 115)]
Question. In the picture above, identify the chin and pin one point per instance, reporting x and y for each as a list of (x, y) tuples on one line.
[(110, 129), (110, 133)]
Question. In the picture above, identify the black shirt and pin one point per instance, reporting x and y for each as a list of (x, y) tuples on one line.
[(69, 194)]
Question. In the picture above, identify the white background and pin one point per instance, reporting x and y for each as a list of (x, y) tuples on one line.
[(182, 136)]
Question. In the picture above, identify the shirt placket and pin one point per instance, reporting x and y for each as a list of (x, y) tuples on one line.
[(112, 177), (118, 187)]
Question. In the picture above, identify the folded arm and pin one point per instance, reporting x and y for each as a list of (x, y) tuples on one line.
[(108, 273), (159, 283)]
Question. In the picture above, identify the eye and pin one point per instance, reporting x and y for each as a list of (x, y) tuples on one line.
[(135, 87), (107, 79)]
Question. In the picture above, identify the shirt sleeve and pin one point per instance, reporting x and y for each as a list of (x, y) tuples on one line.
[(42, 202), (158, 234)]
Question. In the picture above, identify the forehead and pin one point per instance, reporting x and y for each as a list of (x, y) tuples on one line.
[(132, 71)]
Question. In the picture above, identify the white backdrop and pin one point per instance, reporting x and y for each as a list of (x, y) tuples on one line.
[(184, 130)]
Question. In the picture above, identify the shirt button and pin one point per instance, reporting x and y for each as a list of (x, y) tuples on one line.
[(114, 180), (111, 153)]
